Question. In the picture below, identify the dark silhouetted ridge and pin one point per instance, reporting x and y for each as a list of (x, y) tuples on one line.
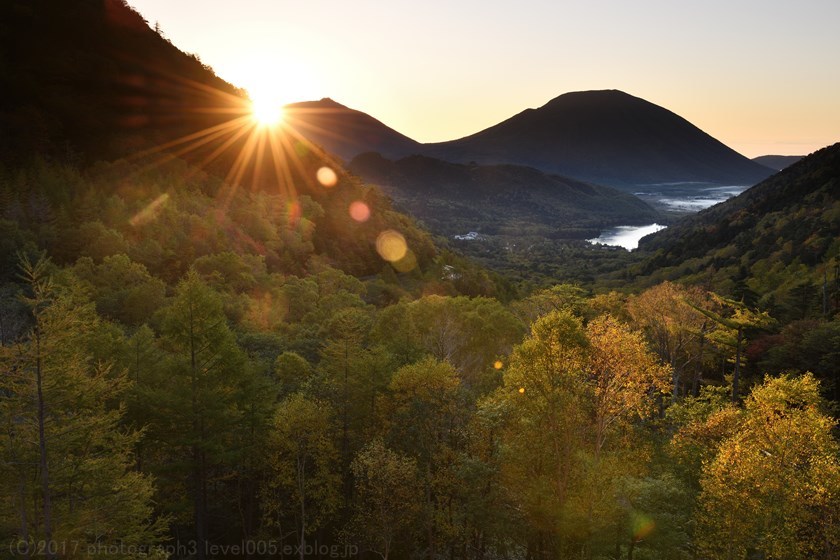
[(347, 132), (91, 80), (777, 162), (606, 137)]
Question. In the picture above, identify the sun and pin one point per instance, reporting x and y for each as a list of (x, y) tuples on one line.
[(267, 112)]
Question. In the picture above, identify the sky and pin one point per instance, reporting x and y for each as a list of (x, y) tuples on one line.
[(761, 76)]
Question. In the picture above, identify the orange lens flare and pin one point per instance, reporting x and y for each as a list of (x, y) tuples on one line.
[(327, 177), (359, 211)]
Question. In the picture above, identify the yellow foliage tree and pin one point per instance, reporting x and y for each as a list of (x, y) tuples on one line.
[(773, 489)]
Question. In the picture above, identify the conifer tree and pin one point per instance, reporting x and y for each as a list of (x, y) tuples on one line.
[(66, 460), (194, 402)]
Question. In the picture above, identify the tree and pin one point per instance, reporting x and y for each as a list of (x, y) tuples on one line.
[(543, 427), (300, 479), (61, 417), (425, 416), (625, 375), (389, 498), (676, 331), (571, 396), (773, 488), (733, 324), (195, 402)]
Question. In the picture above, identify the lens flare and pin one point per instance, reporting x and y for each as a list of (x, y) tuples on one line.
[(327, 177), (359, 211), (391, 245), (407, 263), (642, 526), (150, 212)]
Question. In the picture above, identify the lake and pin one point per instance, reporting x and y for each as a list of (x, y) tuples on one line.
[(675, 199), (625, 236)]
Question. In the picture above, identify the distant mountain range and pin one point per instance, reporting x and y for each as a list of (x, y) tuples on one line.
[(605, 137), (499, 199), (777, 162)]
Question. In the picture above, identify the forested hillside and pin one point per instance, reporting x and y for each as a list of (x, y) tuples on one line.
[(500, 199), (776, 244)]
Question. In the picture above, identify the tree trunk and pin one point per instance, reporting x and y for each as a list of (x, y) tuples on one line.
[(42, 450), (737, 375), (199, 482), (301, 470)]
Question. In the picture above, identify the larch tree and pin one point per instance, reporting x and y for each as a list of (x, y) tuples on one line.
[(194, 403), (67, 461)]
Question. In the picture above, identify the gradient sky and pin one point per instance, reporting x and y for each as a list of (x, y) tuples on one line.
[(761, 76)]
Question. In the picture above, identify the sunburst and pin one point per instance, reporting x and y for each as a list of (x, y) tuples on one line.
[(263, 146)]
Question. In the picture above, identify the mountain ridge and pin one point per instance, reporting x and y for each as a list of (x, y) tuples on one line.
[(603, 136), (346, 132), (607, 137), (777, 162)]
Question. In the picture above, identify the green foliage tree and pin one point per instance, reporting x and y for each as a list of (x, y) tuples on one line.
[(194, 402), (733, 324), (389, 500), (301, 481), (123, 290), (425, 417), (67, 461)]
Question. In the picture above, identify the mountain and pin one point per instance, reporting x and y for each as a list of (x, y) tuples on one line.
[(777, 162), (346, 132), (458, 198), (606, 137), (776, 235)]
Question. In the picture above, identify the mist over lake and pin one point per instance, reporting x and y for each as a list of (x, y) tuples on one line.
[(686, 198)]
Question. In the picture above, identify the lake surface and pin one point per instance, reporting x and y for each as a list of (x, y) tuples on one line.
[(625, 236), (675, 199)]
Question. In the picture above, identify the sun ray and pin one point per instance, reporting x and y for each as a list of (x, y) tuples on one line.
[(281, 168), (262, 149), (258, 162)]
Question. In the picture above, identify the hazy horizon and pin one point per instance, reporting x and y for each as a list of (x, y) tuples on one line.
[(756, 75)]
